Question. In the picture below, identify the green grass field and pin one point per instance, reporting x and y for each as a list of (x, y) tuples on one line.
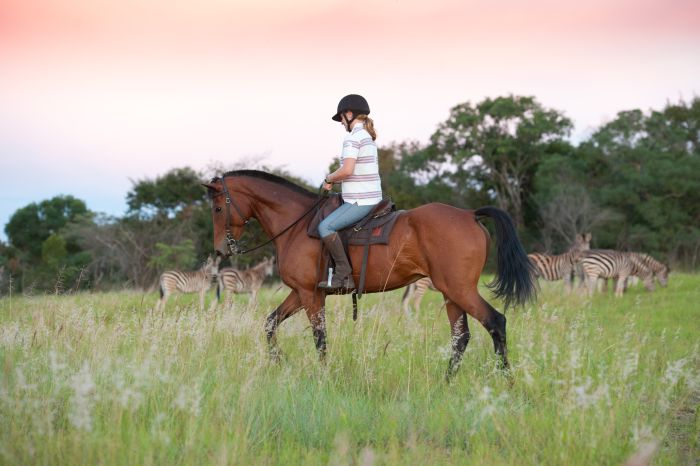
[(101, 379)]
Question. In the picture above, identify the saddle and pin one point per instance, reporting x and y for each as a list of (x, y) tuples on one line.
[(374, 228)]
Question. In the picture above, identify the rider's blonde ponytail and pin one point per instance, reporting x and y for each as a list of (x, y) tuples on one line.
[(369, 125)]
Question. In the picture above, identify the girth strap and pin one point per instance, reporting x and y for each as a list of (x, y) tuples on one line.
[(363, 270)]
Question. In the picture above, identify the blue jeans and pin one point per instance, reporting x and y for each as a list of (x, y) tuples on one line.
[(342, 217)]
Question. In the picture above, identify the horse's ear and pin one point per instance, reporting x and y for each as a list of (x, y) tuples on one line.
[(211, 187)]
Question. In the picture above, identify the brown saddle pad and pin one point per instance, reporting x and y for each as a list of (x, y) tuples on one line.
[(373, 229)]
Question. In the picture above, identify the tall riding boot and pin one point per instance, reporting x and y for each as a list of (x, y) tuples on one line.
[(342, 275)]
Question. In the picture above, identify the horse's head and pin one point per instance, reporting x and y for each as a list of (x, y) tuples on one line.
[(229, 216)]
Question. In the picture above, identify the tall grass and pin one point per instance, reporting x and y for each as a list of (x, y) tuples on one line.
[(102, 379)]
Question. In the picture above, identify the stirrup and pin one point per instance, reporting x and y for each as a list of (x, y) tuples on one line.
[(346, 283)]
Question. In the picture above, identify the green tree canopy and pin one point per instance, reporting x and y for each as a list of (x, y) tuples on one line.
[(494, 148), (53, 250), (647, 168), (31, 225), (181, 256), (166, 194)]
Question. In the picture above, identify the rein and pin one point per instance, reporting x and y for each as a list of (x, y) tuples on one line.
[(234, 246)]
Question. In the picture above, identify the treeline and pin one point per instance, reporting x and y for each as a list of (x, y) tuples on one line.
[(634, 183), (60, 246)]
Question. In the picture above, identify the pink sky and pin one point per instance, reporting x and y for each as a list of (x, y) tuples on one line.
[(94, 93)]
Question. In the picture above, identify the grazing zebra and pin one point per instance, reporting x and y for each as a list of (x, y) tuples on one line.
[(243, 281), (414, 292), (188, 282), (562, 266), (606, 263), (658, 269)]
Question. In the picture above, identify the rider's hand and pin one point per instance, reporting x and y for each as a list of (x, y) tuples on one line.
[(327, 186)]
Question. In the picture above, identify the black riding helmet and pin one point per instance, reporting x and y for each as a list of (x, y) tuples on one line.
[(355, 103)]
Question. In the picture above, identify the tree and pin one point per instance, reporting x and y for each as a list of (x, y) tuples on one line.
[(31, 225), (53, 250), (398, 182), (122, 249), (646, 167), (166, 194), (179, 256), (494, 147), (568, 212)]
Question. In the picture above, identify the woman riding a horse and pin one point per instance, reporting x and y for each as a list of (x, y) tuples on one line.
[(448, 244), (361, 185)]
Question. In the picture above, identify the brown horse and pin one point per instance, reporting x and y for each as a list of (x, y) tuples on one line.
[(439, 241)]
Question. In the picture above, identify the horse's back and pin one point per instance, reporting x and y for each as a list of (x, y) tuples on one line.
[(443, 219), (430, 240)]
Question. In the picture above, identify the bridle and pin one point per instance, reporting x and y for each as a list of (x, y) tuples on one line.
[(233, 245)]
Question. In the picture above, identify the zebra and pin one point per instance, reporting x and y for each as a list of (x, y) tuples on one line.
[(233, 281), (658, 269), (562, 266), (414, 292), (606, 263), (188, 282)]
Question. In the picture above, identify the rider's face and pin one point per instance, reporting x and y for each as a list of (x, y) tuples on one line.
[(344, 118)]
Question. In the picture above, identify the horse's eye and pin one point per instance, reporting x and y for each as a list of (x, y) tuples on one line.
[(218, 209)]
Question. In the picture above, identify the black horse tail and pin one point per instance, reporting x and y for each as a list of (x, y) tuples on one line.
[(161, 290), (515, 282), (218, 290)]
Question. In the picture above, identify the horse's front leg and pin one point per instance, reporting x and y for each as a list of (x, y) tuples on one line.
[(289, 307), (314, 303)]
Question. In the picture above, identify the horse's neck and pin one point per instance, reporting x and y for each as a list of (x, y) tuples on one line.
[(275, 213)]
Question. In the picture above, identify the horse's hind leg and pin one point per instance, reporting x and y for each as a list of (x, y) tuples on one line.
[(496, 326), (289, 307), (490, 318), (460, 336)]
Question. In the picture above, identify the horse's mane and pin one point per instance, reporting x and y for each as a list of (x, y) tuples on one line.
[(271, 178)]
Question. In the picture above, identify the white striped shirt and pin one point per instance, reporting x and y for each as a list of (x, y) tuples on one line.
[(364, 186)]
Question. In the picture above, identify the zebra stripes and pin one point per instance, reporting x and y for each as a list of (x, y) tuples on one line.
[(197, 281), (606, 263), (594, 264), (658, 269), (414, 292), (561, 266), (233, 281)]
